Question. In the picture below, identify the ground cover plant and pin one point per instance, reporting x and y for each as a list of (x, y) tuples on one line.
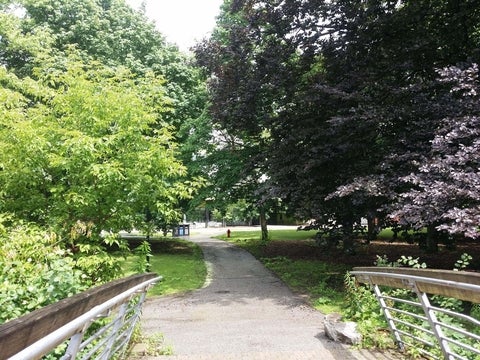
[(320, 282)]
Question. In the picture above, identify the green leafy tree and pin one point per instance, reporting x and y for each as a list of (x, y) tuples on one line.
[(88, 142), (84, 158), (113, 33)]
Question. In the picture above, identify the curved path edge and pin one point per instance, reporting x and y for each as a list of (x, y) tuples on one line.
[(243, 311)]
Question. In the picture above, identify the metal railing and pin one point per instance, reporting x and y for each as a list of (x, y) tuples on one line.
[(424, 311), (102, 330)]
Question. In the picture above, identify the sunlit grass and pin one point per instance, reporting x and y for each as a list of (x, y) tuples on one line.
[(277, 235), (179, 262), (183, 269)]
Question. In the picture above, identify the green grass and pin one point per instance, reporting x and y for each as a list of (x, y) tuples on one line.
[(251, 240), (322, 282), (387, 234), (179, 262), (277, 235)]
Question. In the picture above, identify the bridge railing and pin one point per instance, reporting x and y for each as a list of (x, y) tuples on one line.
[(422, 309), (95, 324)]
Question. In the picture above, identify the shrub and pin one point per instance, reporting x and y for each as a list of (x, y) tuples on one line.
[(34, 270)]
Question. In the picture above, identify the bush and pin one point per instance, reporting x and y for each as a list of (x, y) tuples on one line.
[(34, 270)]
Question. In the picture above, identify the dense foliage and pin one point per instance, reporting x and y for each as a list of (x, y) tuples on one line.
[(35, 270), (80, 160), (346, 103), (93, 106)]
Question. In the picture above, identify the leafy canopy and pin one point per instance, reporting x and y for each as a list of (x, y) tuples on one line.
[(86, 150)]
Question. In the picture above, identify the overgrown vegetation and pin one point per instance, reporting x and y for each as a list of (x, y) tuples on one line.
[(363, 308), (94, 106), (35, 270), (321, 282)]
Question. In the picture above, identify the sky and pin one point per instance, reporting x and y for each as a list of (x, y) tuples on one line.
[(182, 21)]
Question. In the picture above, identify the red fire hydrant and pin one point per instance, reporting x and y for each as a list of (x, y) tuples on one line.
[(228, 233)]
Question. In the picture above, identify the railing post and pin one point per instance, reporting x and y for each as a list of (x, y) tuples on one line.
[(388, 316), (433, 321), (118, 323), (74, 345)]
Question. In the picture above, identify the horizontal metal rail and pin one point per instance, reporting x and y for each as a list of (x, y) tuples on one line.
[(416, 320), (114, 321)]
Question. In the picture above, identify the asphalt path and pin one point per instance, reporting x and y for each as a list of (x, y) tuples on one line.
[(243, 312)]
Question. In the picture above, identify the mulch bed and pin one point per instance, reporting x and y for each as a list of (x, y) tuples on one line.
[(366, 253)]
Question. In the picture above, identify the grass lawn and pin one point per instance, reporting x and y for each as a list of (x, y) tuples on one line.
[(321, 282), (179, 262), (251, 240)]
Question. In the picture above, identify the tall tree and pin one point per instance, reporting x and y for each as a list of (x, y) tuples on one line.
[(388, 55), (237, 109), (346, 90), (113, 33), (266, 67), (444, 190), (85, 146), (84, 153)]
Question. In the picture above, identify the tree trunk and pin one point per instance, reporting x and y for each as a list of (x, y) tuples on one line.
[(372, 227), (206, 217), (348, 246), (263, 225), (432, 239)]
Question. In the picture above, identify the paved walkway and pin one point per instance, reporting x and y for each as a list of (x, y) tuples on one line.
[(242, 312)]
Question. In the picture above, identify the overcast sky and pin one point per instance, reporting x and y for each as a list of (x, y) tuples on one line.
[(182, 21)]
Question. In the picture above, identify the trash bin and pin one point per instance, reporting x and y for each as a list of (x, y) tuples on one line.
[(182, 230)]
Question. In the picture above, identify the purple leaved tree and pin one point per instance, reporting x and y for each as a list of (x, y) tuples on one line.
[(444, 192)]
